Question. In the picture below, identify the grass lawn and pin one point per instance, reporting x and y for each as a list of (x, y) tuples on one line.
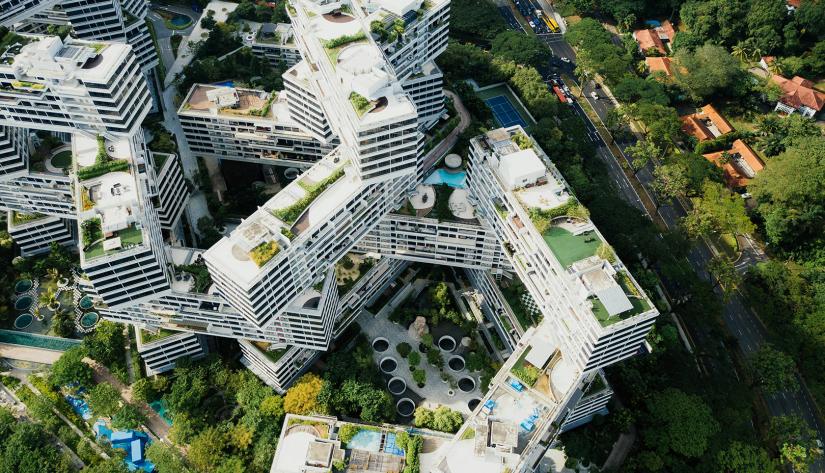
[(62, 159), (570, 248)]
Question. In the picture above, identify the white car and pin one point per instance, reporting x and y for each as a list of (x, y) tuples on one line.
[(564, 59), (594, 95), (532, 25)]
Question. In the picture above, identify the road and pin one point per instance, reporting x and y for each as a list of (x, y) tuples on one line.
[(739, 319)]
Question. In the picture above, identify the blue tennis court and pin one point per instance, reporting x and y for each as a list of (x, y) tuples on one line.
[(504, 112)]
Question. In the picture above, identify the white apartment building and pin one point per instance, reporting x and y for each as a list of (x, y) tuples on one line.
[(35, 233), (247, 125), (161, 349), (275, 42), (13, 151), (172, 191)]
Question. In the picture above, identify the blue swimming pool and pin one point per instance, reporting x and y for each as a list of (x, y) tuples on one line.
[(391, 447), (80, 407), (456, 180), (369, 440), (160, 407), (227, 83)]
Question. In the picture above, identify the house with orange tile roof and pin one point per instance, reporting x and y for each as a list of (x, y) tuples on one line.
[(660, 64), (739, 164), (655, 38), (798, 95), (706, 124)]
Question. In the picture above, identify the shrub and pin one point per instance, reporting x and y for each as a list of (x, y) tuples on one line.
[(264, 252), (344, 40), (415, 358), (420, 377), (359, 102), (527, 373), (434, 358), (347, 432), (91, 230), (291, 213), (100, 168), (412, 449), (403, 349)]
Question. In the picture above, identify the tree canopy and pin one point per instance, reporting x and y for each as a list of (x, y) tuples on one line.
[(681, 423)]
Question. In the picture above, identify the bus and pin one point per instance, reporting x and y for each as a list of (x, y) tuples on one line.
[(560, 94), (554, 27)]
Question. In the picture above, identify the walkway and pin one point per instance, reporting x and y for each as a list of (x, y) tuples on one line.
[(447, 143), (154, 423), (34, 355)]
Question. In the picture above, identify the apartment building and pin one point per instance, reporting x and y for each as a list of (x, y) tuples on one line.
[(275, 42), (34, 233)]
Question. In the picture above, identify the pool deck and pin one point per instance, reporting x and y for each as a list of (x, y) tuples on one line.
[(34, 355)]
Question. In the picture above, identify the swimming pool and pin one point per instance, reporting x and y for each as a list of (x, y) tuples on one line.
[(160, 407), (391, 447), (86, 302), (364, 439), (456, 180)]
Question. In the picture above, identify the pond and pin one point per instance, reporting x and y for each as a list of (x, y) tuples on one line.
[(86, 302), (89, 319), (23, 303), (23, 321), (22, 286)]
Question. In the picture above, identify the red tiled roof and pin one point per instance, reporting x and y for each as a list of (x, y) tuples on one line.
[(659, 64), (667, 30), (693, 124), (734, 175), (649, 39), (798, 92), (794, 3)]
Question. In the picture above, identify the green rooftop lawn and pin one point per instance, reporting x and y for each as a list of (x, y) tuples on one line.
[(600, 312), (129, 235), (149, 337), (62, 159), (570, 248)]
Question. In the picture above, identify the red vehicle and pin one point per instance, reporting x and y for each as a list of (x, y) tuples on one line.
[(559, 94)]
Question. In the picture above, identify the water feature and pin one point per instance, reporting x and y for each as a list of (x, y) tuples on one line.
[(405, 407), (86, 302), (456, 363), (159, 406), (380, 344), (23, 285), (388, 365), (466, 384), (89, 319), (391, 447), (23, 303), (23, 321), (397, 386), (456, 180)]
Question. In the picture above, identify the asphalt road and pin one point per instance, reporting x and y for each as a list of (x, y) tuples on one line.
[(739, 319)]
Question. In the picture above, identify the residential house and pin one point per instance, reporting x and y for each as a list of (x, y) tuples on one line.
[(655, 38), (660, 64), (798, 95), (740, 164), (705, 125)]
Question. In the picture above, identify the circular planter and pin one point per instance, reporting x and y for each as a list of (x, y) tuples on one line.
[(466, 384), (447, 343), (23, 320), (53, 307), (473, 403), (397, 386), (451, 393), (23, 303), (23, 285), (380, 344), (456, 363), (63, 283), (422, 348), (405, 407), (291, 173), (388, 364)]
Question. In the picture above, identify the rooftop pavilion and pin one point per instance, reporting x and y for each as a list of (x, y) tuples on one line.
[(301, 205), (107, 196), (227, 101), (44, 59)]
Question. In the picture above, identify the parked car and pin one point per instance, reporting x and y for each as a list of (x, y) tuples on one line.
[(565, 59)]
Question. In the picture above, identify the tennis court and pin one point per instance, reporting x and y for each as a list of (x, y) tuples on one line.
[(504, 112), (507, 111)]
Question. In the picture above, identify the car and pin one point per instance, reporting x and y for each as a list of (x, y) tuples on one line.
[(532, 25), (594, 95), (565, 59), (746, 195)]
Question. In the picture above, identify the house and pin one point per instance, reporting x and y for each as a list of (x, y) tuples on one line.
[(766, 61), (705, 125), (792, 5), (798, 95), (740, 164), (660, 64), (655, 38)]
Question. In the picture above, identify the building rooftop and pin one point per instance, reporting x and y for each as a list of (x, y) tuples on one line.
[(660, 64), (228, 101), (649, 39), (798, 92), (741, 165), (705, 125)]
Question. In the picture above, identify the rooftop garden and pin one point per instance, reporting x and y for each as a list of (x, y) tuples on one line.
[(19, 218), (8, 40), (291, 213), (129, 237), (149, 337), (160, 160), (270, 37), (264, 252), (542, 219), (104, 164), (22, 84), (522, 141), (570, 248), (524, 371), (640, 306), (359, 103), (350, 269), (388, 34), (201, 274), (334, 46)]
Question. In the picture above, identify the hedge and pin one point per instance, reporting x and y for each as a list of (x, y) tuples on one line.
[(99, 169)]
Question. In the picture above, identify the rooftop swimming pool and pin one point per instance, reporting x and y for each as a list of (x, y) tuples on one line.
[(364, 439), (456, 180)]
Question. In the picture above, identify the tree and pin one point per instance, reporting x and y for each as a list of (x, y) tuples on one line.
[(403, 349), (112, 465), (420, 377), (634, 89), (671, 180), (680, 423), (791, 194), (744, 458), (273, 407), (717, 210), (128, 417), (660, 123), (166, 458), (415, 359), (106, 344), (706, 72), (642, 153), (206, 450), (521, 48), (434, 358), (477, 21), (63, 324), (70, 368), (724, 271), (142, 390), (104, 400), (302, 397), (774, 370), (423, 417), (30, 449), (740, 51), (446, 419)]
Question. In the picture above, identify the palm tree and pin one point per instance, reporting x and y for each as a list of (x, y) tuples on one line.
[(775, 67), (53, 274), (48, 297), (740, 51), (756, 53)]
